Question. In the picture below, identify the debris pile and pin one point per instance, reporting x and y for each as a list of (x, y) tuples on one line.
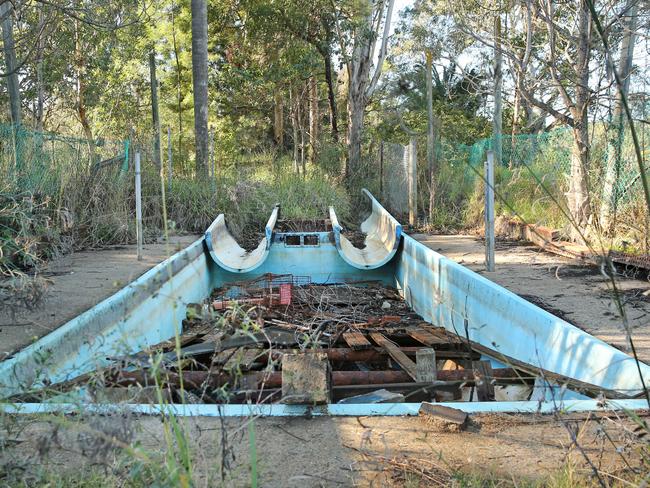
[(281, 338)]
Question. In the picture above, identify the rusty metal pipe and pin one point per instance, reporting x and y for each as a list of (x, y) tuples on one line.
[(197, 379), (348, 378), (344, 354)]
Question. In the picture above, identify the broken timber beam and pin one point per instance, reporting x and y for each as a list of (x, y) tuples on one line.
[(395, 352)]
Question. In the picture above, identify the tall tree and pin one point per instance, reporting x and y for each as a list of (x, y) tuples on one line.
[(614, 153), (200, 83), (362, 81), (6, 16), (498, 84), (566, 62)]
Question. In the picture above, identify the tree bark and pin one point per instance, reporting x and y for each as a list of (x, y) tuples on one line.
[(430, 131), (155, 115), (356, 107), (314, 118), (331, 96), (40, 82), (200, 84), (294, 128), (179, 91), (13, 87), (82, 113), (498, 101), (614, 153), (278, 118), (578, 195)]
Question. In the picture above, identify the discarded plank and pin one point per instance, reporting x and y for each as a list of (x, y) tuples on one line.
[(426, 337), (395, 352), (425, 362), (443, 417), (441, 334), (356, 340), (306, 378)]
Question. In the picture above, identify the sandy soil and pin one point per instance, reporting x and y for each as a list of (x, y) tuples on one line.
[(78, 281), (577, 293), (366, 451)]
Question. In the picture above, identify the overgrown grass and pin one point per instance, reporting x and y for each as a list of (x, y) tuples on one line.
[(81, 209)]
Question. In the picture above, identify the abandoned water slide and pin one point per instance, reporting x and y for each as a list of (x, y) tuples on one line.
[(308, 323)]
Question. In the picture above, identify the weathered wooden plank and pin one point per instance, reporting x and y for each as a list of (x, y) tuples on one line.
[(395, 352), (425, 362), (426, 337), (441, 333), (450, 417), (356, 340)]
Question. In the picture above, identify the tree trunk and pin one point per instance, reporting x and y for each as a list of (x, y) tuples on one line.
[(498, 81), (361, 85), (40, 83), (294, 129), (82, 113), (578, 195), (331, 95), (179, 90), (610, 195), (13, 87), (430, 135), (314, 118), (155, 115), (200, 84), (356, 107), (278, 118), (515, 121)]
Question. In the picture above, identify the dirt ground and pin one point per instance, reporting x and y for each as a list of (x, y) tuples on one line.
[(77, 282), (364, 451), (577, 293)]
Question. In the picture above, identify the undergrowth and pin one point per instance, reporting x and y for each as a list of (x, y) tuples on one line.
[(77, 209)]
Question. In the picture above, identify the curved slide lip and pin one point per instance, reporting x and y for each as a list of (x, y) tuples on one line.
[(228, 254), (383, 234)]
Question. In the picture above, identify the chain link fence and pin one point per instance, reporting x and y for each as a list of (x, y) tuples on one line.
[(532, 181)]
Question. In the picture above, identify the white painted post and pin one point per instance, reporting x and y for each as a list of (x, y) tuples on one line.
[(489, 211), (138, 205), (413, 181), (169, 157)]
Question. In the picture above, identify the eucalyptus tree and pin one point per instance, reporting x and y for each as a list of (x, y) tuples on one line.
[(628, 20), (200, 84), (359, 27), (11, 73), (565, 32)]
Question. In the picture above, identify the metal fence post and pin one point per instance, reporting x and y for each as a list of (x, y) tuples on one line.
[(138, 205), (489, 211)]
